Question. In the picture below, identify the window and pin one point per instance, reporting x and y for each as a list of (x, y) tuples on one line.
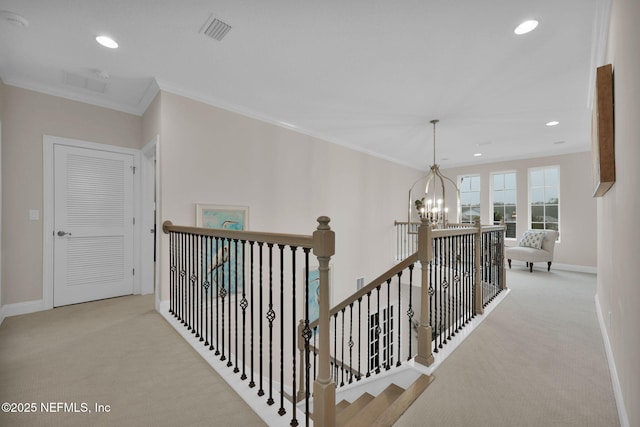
[(381, 339), (544, 198), (504, 201), (470, 198)]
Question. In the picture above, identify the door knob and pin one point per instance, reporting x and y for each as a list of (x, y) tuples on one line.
[(63, 233)]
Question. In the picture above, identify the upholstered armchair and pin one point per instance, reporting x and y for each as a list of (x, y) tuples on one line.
[(534, 246)]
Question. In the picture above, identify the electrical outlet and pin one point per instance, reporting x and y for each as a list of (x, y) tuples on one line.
[(34, 215), (359, 283)]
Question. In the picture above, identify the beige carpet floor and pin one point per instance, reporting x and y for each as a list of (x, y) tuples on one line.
[(537, 360), (117, 352)]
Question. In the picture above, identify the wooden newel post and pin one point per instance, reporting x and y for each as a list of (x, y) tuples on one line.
[(425, 254), (503, 270), (477, 306), (324, 390)]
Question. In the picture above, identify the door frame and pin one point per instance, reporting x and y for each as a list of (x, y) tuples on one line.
[(150, 177), (49, 142)]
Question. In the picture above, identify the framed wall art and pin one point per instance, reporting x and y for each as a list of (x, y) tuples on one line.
[(220, 266), (602, 132), (223, 217)]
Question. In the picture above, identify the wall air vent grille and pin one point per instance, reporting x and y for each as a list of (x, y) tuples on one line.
[(84, 83), (215, 28)]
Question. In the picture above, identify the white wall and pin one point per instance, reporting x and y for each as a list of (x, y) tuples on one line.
[(577, 245), (288, 179), (618, 213)]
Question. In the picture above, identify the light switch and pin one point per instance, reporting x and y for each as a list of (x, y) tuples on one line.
[(34, 215)]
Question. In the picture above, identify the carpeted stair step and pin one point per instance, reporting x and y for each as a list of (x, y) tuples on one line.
[(384, 409), (356, 406), (406, 399)]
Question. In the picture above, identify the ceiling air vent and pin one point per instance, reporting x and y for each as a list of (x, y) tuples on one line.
[(84, 82), (215, 28)]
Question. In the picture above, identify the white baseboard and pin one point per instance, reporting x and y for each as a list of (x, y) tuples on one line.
[(576, 268), (1, 314), (267, 413), (563, 267), (617, 388), (23, 308)]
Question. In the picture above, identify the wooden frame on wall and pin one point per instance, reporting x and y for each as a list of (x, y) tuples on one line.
[(602, 132)]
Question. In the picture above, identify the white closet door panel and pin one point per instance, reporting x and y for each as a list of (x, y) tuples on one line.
[(93, 256)]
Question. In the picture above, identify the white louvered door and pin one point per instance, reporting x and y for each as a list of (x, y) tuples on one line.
[(93, 225)]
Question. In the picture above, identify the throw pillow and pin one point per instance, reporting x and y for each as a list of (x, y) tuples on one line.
[(532, 239)]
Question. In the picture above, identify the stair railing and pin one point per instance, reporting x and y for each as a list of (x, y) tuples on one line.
[(410, 312), (228, 288)]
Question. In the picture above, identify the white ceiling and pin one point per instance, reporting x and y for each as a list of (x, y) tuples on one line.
[(368, 74)]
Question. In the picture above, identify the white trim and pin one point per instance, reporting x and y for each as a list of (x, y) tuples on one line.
[(99, 101), (543, 168), (22, 308), (557, 266), (617, 387), (49, 142), (491, 204), (2, 315), (269, 414), (148, 277)]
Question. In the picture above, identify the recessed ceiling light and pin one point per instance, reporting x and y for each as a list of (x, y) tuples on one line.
[(553, 123), (107, 42), (526, 27), (477, 155)]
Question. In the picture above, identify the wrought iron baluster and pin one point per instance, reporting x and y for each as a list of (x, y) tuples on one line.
[(183, 275), (432, 306), (223, 295), (260, 389), (368, 334), (378, 331), (192, 287), (281, 410), (388, 339), (271, 315), (342, 345), (236, 369), (441, 296), (251, 326), (206, 285), (359, 338), (447, 291), (172, 268), (398, 363), (335, 347), (244, 304), (350, 343), (410, 312), (294, 336), (306, 335), (215, 273), (201, 280)]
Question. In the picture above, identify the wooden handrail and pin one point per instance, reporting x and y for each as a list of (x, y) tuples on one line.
[(401, 266), (253, 236)]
